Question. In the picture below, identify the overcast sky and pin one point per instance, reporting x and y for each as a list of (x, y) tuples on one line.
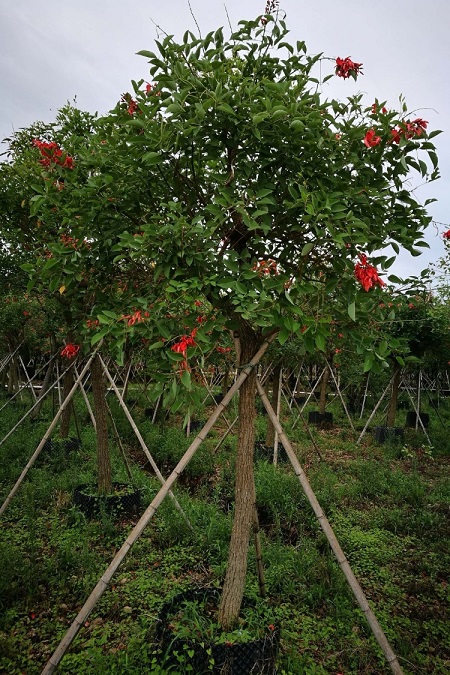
[(53, 51)]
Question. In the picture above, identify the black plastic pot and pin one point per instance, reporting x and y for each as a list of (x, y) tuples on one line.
[(69, 444), (92, 504), (392, 434), (250, 658), (320, 419), (196, 425), (412, 418), (265, 452)]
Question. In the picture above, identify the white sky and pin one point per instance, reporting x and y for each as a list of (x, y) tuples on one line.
[(52, 51)]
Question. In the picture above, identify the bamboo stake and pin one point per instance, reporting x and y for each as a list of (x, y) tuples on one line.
[(29, 384), (305, 424), (332, 540), (86, 400), (309, 396), (374, 411), (276, 439), (141, 441), (136, 532), (119, 442), (52, 388), (340, 396), (37, 452), (37, 373)]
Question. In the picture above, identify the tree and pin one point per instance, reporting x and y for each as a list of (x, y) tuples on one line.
[(229, 181)]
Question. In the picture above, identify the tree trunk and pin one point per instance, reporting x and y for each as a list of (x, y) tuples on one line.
[(392, 409), (13, 380), (270, 434), (44, 388), (323, 390), (225, 381), (64, 428), (104, 480), (233, 589)]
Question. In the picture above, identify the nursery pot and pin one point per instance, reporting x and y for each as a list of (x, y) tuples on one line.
[(232, 658), (320, 419), (125, 500), (412, 418), (265, 452), (383, 434)]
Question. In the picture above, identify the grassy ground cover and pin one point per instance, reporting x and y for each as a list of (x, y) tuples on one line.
[(388, 504)]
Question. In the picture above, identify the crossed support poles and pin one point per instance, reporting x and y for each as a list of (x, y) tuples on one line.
[(138, 529)]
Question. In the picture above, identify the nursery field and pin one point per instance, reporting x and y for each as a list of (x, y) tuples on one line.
[(387, 503)]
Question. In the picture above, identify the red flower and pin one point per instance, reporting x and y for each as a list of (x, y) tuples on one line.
[(271, 626), (409, 130), (371, 139), (446, 235), (223, 350), (347, 68), (51, 153), (375, 109), (367, 274), (134, 318), (70, 351)]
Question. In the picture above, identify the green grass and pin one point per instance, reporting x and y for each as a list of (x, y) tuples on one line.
[(389, 510)]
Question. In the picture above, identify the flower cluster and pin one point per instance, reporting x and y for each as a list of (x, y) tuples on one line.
[(223, 350), (367, 274), (136, 317), (181, 347), (70, 351), (67, 240), (131, 103), (265, 267), (92, 323), (371, 139), (51, 153), (375, 109), (347, 68), (446, 235), (409, 130)]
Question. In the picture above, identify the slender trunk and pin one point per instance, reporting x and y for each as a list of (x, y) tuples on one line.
[(270, 434), (233, 589), (64, 428), (225, 382), (104, 479), (392, 409), (44, 388), (323, 390), (13, 381)]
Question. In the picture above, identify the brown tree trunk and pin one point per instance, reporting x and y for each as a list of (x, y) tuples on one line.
[(392, 409), (44, 388), (233, 589), (64, 428), (13, 379), (323, 390), (270, 434), (104, 479), (225, 382)]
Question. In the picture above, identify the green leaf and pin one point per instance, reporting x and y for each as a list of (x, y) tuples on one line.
[(186, 380), (152, 158), (320, 342), (351, 309), (307, 248)]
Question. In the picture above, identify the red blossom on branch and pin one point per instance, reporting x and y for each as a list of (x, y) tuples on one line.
[(367, 274), (346, 68), (446, 235), (371, 139), (409, 130), (51, 153), (375, 109), (70, 351), (265, 267)]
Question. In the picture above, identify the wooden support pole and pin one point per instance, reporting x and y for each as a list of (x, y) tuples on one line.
[(37, 452), (136, 532), (332, 540)]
